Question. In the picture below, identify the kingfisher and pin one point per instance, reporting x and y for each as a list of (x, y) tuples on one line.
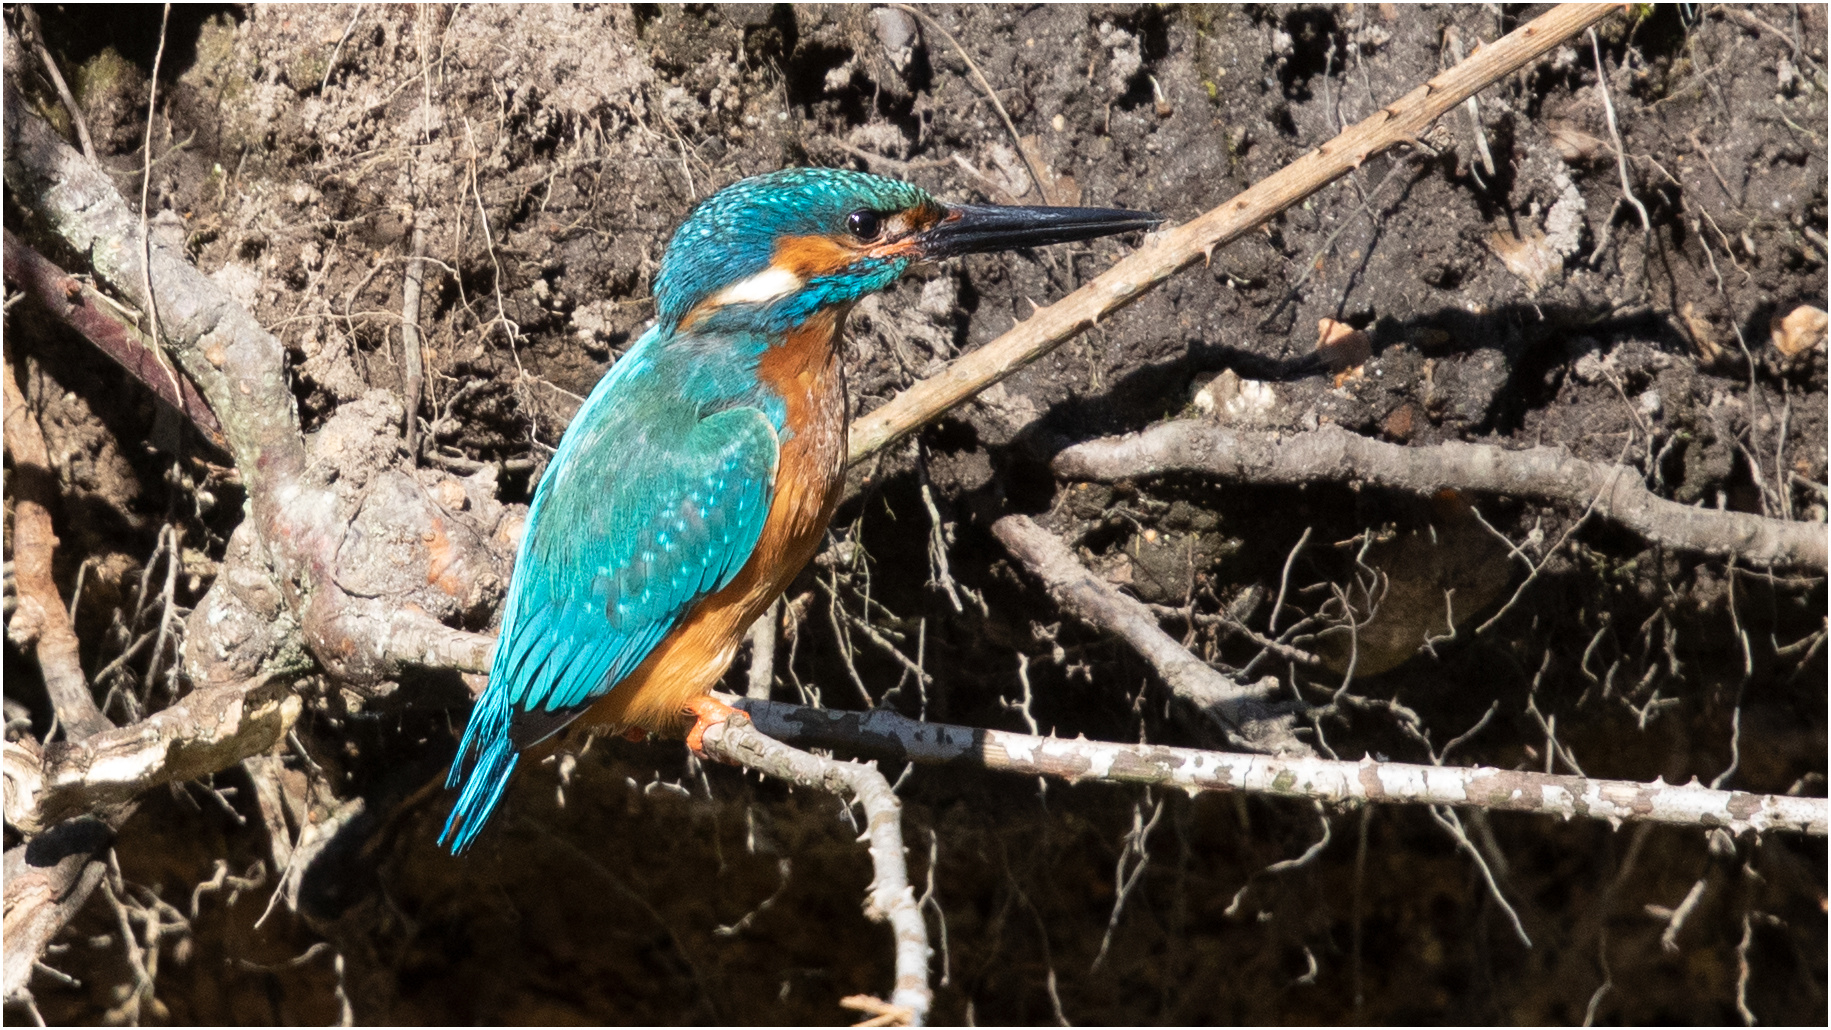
[(698, 477)]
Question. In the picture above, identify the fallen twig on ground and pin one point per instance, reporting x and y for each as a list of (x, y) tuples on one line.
[(1399, 122), (1332, 454), (884, 734), (891, 899), (1250, 722)]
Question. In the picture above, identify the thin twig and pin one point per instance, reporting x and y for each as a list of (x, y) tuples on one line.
[(1614, 131), (330, 65), (57, 80), (410, 336), (146, 183), (1473, 107)]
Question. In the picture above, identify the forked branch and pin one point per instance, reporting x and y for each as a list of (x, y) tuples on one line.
[(891, 899)]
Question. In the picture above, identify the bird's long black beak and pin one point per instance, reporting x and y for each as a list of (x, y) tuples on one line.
[(979, 228)]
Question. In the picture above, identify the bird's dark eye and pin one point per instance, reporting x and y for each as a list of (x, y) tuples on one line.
[(864, 224)]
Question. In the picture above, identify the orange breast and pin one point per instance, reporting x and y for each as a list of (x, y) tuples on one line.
[(810, 471)]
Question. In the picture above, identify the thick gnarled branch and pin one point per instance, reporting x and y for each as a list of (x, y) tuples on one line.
[(302, 501), (1332, 454)]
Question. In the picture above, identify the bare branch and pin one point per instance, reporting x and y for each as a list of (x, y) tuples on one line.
[(41, 617), (884, 734), (46, 884), (1400, 122), (1099, 604), (1332, 454), (207, 732), (891, 898)]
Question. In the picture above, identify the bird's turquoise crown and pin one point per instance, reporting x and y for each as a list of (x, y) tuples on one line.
[(733, 237)]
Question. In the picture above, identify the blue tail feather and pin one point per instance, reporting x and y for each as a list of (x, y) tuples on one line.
[(485, 760)]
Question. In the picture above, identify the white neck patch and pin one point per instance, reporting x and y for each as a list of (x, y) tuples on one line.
[(770, 284)]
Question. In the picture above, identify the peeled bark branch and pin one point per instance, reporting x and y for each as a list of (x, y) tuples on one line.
[(1261, 727), (891, 898), (884, 734), (206, 732), (1162, 256), (1332, 454)]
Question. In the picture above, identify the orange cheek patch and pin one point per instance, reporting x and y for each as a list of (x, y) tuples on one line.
[(810, 256)]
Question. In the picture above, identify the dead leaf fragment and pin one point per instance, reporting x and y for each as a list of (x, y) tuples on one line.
[(1799, 331), (1531, 258), (1703, 334), (1575, 147), (1342, 346)]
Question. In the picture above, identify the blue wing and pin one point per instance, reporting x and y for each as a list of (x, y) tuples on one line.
[(646, 507)]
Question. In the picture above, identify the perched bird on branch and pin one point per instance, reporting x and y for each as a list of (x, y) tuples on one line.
[(698, 477)]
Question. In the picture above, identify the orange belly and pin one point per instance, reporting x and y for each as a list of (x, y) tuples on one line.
[(810, 473)]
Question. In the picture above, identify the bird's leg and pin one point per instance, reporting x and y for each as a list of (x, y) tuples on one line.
[(707, 712)]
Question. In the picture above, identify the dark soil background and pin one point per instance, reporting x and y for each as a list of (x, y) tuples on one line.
[(549, 152)]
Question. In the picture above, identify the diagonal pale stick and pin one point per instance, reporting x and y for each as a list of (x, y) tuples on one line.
[(1399, 122)]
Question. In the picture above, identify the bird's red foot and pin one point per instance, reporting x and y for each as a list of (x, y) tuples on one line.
[(635, 734), (707, 712)]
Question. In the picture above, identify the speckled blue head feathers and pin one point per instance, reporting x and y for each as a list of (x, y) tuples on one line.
[(770, 251), (739, 232)]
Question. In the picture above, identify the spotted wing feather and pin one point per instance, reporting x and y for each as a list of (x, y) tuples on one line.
[(647, 507)]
